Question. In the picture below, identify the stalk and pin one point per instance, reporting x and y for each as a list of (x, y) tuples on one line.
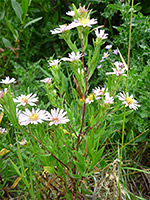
[(123, 125)]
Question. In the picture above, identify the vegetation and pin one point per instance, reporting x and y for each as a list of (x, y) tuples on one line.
[(74, 114)]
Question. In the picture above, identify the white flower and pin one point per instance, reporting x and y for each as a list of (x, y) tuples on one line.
[(61, 29), (33, 117), (73, 57), (71, 13), (1, 108), (23, 142), (53, 62), (47, 80), (58, 117), (117, 72), (101, 34), (115, 51), (108, 46), (83, 22), (2, 130), (105, 55), (7, 80), (119, 64), (99, 92), (128, 101), (108, 99), (26, 99), (99, 66), (89, 99)]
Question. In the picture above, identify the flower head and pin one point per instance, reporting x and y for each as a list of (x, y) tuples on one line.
[(33, 117), (105, 55), (83, 22), (7, 80), (73, 57), (115, 51), (23, 142), (61, 29), (108, 99), (2, 130), (99, 66), (128, 101), (99, 92), (58, 117), (108, 46), (53, 62), (90, 99), (47, 80), (71, 13), (101, 34), (119, 64), (26, 99)]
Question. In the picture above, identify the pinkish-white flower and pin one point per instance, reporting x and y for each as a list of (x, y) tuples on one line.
[(2, 130), (29, 99), (119, 64), (117, 72), (128, 101), (101, 34), (73, 57), (108, 99), (99, 92), (61, 29), (83, 22), (89, 99), (99, 66), (33, 117), (71, 13), (23, 142), (47, 80), (105, 55), (115, 51), (58, 117), (7, 80), (53, 62), (108, 46)]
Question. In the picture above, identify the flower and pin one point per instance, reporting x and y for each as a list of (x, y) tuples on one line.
[(33, 117), (117, 72), (105, 55), (26, 99), (115, 51), (73, 57), (2, 130), (99, 92), (7, 80), (89, 99), (23, 142), (1, 108), (99, 66), (119, 64), (108, 46), (71, 13), (58, 117), (83, 22), (61, 29), (47, 80), (101, 34), (108, 99), (53, 62), (128, 101)]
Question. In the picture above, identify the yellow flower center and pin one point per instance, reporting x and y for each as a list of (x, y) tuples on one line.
[(84, 21), (56, 120), (129, 100), (24, 100), (34, 117), (101, 92), (90, 97)]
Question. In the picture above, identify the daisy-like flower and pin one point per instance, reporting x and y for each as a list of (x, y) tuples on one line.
[(128, 101), (105, 55), (101, 34), (33, 117), (58, 117), (99, 66), (23, 142), (7, 80), (26, 99), (108, 99), (70, 13), (2, 130), (61, 29), (98, 92), (90, 99), (53, 62), (83, 22), (108, 46), (115, 51), (73, 57), (119, 64), (47, 80), (117, 71)]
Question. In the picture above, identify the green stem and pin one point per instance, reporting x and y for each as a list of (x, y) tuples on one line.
[(123, 125)]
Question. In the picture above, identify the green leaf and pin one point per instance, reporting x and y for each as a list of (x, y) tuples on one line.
[(2, 15), (96, 158), (6, 42), (114, 6), (17, 8), (11, 28), (32, 22), (25, 6)]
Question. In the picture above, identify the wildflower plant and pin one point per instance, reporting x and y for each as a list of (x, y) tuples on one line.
[(71, 130)]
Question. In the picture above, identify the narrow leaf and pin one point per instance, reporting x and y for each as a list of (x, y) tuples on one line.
[(32, 22), (6, 42), (11, 28), (17, 8), (25, 5)]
